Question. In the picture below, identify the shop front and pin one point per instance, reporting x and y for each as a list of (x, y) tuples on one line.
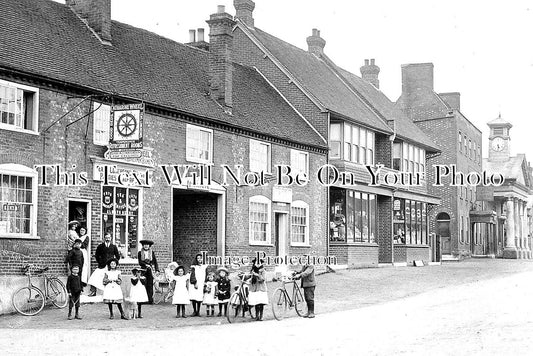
[(410, 229)]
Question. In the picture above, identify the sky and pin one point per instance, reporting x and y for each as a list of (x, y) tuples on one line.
[(482, 49)]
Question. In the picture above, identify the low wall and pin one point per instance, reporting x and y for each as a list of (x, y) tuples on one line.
[(355, 255), (410, 253)]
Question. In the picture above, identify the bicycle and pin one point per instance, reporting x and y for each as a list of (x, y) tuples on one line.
[(282, 301), (31, 300), (162, 288), (238, 302)]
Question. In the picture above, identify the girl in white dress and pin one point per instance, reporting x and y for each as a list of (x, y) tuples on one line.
[(138, 290), (258, 290), (86, 260), (181, 291), (210, 292), (196, 292), (112, 291)]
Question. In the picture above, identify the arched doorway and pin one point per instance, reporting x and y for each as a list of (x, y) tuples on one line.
[(443, 230)]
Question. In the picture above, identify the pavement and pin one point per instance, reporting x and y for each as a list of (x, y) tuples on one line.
[(471, 307)]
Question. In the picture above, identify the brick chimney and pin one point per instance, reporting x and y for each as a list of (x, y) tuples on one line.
[(452, 99), (370, 72), (96, 14), (198, 42), (316, 43), (220, 56), (244, 11), (417, 77)]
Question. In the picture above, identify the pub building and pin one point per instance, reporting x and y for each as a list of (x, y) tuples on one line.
[(100, 106), (363, 127)]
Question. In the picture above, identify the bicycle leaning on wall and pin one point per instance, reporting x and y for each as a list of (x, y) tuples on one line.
[(30, 300)]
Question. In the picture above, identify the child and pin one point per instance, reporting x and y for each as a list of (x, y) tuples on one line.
[(210, 291), (74, 290), (138, 290), (307, 275), (75, 256), (112, 291), (181, 291), (258, 290), (224, 290)]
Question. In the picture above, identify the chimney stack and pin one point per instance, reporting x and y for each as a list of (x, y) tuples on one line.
[(417, 77), (220, 56), (201, 35), (97, 15), (316, 43), (198, 42), (192, 36), (244, 11), (452, 99), (370, 72)]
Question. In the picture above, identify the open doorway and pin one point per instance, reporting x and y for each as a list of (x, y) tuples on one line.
[(443, 230)]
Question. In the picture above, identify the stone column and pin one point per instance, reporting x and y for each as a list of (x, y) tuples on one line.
[(518, 228), (510, 250), (525, 233)]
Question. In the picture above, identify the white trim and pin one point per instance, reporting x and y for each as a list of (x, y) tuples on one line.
[(290, 104), (35, 123), (97, 107), (278, 64), (262, 200), (188, 156), (20, 170), (293, 154)]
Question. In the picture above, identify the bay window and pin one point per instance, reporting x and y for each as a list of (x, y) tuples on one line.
[(352, 143), (410, 222), (408, 158)]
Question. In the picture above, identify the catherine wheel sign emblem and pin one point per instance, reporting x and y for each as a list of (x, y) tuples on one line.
[(126, 125)]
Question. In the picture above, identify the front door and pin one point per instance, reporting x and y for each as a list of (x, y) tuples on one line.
[(281, 233), (443, 230)]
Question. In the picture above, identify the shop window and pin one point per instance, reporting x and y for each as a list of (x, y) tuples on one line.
[(121, 218), (259, 218), (260, 156), (101, 116), (358, 223), (300, 162), (19, 107), (18, 201), (350, 217), (199, 144), (410, 222), (337, 220), (299, 223)]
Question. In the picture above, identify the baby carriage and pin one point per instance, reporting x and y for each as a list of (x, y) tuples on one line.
[(162, 290)]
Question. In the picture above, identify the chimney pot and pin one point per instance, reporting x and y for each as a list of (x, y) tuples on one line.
[(372, 61), (201, 37), (221, 9), (366, 62), (316, 43), (192, 36)]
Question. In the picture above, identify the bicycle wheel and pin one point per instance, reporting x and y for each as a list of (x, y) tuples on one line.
[(57, 293), (299, 302), (28, 300), (280, 304), (235, 307)]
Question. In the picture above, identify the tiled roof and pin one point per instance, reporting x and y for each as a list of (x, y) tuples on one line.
[(499, 121), (47, 39), (405, 128), (426, 105), (320, 80)]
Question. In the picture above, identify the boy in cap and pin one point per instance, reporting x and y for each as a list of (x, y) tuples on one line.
[(75, 256), (74, 290), (307, 275)]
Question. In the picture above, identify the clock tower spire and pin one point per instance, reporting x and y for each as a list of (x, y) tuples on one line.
[(499, 139)]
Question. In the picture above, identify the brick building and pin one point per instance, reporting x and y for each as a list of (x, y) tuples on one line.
[(460, 143), (368, 223), (67, 70), (503, 228)]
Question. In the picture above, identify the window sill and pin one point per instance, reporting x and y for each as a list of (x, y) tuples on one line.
[(255, 243), (344, 243), (199, 161), (20, 236), (16, 129), (410, 245), (300, 245)]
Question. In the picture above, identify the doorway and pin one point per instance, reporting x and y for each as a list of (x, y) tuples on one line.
[(443, 230), (281, 228)]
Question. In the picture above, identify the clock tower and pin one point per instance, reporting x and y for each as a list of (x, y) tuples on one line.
[(499, 140)]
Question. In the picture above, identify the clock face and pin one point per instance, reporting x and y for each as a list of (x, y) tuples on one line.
[(498, 144)]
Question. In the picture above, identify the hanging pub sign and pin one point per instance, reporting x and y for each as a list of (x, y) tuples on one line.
[(126, 127)]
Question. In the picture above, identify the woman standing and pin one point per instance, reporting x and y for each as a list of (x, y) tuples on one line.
[(148, 262), (86, 261), (196, 290), (258, 290)]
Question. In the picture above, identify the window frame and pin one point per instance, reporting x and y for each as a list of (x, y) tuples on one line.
[(97, 107), (188, 154), (294, 153), (300, 204), (269, 156), (19, 170), (35, 114), (358, 152), (260, 199)]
